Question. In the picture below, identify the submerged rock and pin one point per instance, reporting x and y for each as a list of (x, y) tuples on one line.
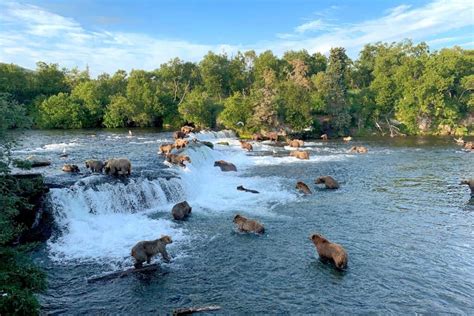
[(38, 161)]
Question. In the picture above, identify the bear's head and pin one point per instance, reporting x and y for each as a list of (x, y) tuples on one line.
[(238, 218), (87, 163), (317, 239), (218, 163), (185, 158), (320, 180), (166, 239), (300, 184)]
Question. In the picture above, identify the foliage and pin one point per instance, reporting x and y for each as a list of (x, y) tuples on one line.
[(199, 108), (118, 113), (237, 112), (426, 92), (62, 111), (19, 278), (337, 105)]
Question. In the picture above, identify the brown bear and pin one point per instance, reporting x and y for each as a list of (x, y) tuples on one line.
[(324, 137), (145, 250), (181, 211), (70, 168), (300, 154), (296, 143), (329, 251), (187, 129), (179, 134), (303, 187), (225, 166), (470, 183), (177, 159), (469, 146), (118, 167), (248, 225), (328, 181), (272, 136), (358, 150), (257, 137), (181, 143), (166, 148), (94, 165), (246, 145)]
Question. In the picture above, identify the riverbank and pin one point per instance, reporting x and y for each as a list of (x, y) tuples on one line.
[(23, 225)]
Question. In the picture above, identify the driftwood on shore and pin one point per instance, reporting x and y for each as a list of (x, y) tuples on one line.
[(120, 274), (190, 310)]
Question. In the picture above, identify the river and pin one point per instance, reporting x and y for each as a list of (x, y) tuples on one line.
[(401, 215)]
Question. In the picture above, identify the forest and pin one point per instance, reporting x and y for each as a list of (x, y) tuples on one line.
[(392, 88)]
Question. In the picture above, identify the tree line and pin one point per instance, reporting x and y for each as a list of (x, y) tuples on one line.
[(391, 88)]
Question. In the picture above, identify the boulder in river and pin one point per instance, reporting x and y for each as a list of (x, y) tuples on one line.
[(38, 161)]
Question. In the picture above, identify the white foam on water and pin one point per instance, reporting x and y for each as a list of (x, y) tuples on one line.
[(108, 236), (209, 189), (271, 160), (48, 148), (104, 220)]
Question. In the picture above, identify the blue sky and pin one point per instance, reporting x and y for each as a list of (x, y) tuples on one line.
[(109, 35)]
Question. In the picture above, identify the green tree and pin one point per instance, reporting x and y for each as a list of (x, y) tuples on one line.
[(62, 111), (16, 81), (93, 100), (143, 95), (237, 112), (336, 94), (49, 79), (198, 108), (265, 115), (215, 75), (119, 112)]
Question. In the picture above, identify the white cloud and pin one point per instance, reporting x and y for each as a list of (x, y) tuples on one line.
[(419, 24), (311, 26), (29, 33)]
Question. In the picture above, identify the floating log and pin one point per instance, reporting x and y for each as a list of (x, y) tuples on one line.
[(241, 188), (120, 274), (190, 310)]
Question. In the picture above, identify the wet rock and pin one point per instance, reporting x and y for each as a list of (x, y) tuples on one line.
[(38, 161)]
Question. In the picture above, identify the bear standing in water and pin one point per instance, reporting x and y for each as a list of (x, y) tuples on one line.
[(118, 167), (328, 181), (145, 250), (248, 225), (302, 187), (94, 165), (181, 210), (329, 251)]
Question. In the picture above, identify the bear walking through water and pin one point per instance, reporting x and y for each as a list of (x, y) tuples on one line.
[(329, 251), (145, 250)]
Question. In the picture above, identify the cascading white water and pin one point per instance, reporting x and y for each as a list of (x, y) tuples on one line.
[(101, 219)]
